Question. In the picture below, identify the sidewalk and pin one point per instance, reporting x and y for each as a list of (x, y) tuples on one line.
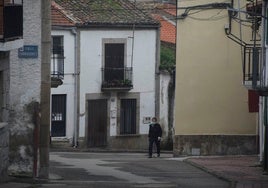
[(241, 171)]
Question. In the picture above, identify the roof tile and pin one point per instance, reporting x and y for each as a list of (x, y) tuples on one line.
[(58, 17), (105, 12), (167, 30)]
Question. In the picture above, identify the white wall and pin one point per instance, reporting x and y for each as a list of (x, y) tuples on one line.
[(164, 101), (68, 82), (143, 67)]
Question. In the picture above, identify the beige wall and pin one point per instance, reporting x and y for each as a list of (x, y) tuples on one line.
[(210, 97)]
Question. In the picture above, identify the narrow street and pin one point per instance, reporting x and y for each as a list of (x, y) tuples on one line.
[(69, 169)]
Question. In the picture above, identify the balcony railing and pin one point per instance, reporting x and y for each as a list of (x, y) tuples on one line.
[(117, 79), (11, 21), (57, 67), (253, 69)]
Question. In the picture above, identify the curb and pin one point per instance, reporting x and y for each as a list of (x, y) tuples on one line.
[(97, 150), (232, 182)]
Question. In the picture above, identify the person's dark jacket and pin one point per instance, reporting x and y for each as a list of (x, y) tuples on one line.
[(155, 131)]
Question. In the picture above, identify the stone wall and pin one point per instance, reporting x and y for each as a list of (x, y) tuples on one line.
[(215, 145), (4, 143), (128, 143), (25, 86)]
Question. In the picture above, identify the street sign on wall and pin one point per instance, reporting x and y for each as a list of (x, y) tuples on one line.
[(28, 51)]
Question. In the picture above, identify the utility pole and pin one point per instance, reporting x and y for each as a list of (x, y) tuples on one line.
[(45, 89)]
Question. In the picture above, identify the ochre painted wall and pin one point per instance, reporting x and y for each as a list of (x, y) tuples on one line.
[(210, 97)]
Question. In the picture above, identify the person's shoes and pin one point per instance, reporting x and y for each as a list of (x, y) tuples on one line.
[(158, 155)]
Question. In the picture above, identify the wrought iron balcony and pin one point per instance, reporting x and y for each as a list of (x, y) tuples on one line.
[(11, 21), (57, 67), (253, 70), (117, 79)]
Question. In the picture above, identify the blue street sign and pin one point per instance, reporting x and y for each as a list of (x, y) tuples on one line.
[(28, 51)]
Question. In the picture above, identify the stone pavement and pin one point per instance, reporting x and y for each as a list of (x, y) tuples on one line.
[(242, 171)]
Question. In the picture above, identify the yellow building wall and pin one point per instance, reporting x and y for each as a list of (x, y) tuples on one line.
[(210, 97)]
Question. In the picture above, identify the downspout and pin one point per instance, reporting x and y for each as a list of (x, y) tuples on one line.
[(261, 100), (263, 127), (157, 74), (76, 90)]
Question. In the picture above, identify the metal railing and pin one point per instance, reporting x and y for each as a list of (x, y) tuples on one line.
[(117, 78), (252, 67), (57, 67), (11, 21)]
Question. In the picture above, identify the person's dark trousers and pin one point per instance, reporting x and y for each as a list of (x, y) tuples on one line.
[(151, 143)]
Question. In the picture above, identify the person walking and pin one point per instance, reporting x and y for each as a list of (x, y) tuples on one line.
[(155, 134)]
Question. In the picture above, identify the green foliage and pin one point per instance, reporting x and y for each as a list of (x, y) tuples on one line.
[(167, 59)]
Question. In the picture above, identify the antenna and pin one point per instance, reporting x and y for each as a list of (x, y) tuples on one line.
[(133, 34)]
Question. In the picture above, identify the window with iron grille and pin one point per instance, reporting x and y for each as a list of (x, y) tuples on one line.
[(128, 116), (57, 64)]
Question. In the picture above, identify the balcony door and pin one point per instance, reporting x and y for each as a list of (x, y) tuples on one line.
[(114, 62)]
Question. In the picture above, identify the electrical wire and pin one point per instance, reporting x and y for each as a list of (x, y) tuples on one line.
[(208, 19), (214, 17)]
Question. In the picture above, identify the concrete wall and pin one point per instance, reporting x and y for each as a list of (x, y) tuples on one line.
[(166, 111), (25, 81), (210, 97), (4, 148), (4, 104)]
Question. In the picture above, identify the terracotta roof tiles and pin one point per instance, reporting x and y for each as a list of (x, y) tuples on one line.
[(106, 13), (167, 30), (58, 17)]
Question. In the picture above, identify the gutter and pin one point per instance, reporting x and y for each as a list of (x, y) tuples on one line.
[(157, 74), (118, 26)]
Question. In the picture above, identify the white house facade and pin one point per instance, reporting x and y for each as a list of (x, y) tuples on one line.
[(110, 80)]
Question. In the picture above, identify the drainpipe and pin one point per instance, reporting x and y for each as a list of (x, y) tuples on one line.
[(76, 90), (262, 100), (264, 125), (157, 74)]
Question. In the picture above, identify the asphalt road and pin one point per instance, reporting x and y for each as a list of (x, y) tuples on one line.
[(126, 170)]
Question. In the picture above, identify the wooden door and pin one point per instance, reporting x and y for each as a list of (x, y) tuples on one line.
[(97, 123)]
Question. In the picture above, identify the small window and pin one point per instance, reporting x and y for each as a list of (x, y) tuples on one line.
[(128, 116), (57, 45)]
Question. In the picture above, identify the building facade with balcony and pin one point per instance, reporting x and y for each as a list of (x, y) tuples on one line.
[(109, 88)]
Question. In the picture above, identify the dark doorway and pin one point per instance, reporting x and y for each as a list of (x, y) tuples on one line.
[(97, 123), (58, 124)]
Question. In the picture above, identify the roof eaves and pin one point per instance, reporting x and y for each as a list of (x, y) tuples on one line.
[(118, 25), (65, 13)]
